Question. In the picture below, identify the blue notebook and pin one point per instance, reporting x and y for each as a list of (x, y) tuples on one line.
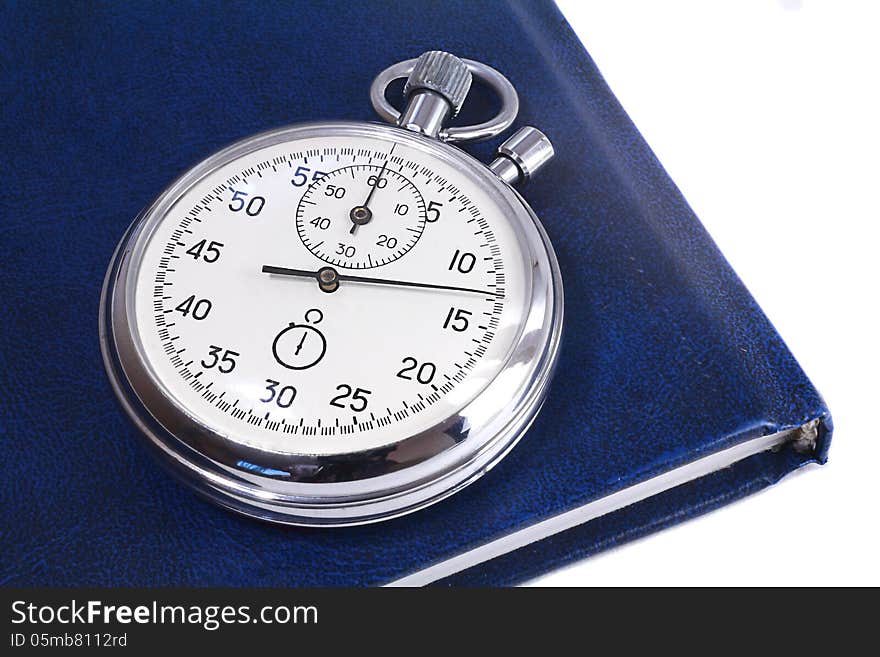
[(674, 394)]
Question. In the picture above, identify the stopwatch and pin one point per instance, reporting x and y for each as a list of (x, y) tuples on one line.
[(335, 323)]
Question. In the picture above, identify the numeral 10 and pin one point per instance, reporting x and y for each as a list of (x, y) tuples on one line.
[(463, 262)]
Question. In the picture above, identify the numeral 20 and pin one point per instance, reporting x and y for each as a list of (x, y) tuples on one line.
[(424, 374), (385, 240)]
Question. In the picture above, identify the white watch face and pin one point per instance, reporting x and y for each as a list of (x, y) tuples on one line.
[(425, 292)]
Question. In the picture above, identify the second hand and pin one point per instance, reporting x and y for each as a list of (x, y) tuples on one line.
[(328, 280), (361, 214)]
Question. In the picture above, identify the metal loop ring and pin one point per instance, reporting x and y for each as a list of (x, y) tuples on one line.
[(479, 132)]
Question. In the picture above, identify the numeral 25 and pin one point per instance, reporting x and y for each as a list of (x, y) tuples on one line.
[(358, 398)]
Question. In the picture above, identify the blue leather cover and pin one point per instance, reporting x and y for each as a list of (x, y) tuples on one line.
[(666, 357)]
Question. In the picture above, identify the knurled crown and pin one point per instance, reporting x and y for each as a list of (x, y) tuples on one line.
[(442, 73)]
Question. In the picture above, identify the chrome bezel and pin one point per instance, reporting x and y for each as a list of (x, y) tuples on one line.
[(350, 488)]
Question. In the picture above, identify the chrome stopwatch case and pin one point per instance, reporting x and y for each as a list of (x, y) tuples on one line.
[(336, 323)]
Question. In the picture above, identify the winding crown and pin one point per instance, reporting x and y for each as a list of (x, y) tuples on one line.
[(442, 73)]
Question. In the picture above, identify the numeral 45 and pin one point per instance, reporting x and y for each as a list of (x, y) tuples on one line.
[(207, 251)]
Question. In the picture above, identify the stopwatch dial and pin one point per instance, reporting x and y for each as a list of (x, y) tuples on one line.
[(361, 216), (332, 294)]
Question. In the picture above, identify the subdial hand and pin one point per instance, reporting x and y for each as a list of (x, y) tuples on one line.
[(328, 280), (361, 214)]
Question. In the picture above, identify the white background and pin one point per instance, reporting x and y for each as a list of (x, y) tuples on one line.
[(766, 116)]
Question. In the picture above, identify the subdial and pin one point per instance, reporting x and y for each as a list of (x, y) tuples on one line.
[(361, 216)]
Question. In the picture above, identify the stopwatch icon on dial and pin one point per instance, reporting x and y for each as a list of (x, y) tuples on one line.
[(301, 346), (361, 216)]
